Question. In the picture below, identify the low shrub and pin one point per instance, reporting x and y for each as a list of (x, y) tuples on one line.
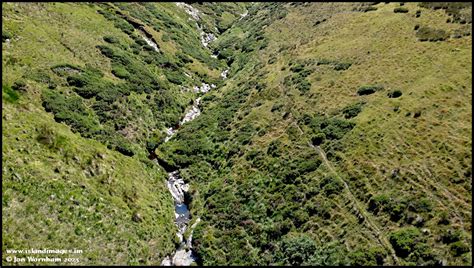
[(120, 72), (296, 249), (371, 257), (451, 236), (70, 110), (41, 76), (111, 39), (394, 94), (379, 203), (400, 10), (404, 240), (20, 85), (425, 33), (342, 66), (367, 90), (369, 8), (9, 94), (352, 110), (125, 149), (331, 186), (318, 138), (459, 248), (453, 9)]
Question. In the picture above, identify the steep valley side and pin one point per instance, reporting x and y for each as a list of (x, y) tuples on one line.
[(238, 133)]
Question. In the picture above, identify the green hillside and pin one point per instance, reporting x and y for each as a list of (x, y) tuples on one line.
[(341, 136)]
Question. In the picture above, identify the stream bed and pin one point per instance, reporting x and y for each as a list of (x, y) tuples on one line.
[(184, 256)]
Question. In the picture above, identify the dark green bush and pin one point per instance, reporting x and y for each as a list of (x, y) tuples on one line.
[(274, 148), (459, 248), (296, 249), (367, 90), (88, 77), (337, 128), (111, 39), (396, 209), (341, 66), (324, 62), (303, 86), (422, 205), (120, 72), (453, 9), (331, 185), (124, 26), (71, 111), (297, 68), (352, 110), (400, 10), (451, 236), (141, 42), (371, 257), (379, 203), (87, 92), (184, 58), (41, 76), (78, 80), (333, 128), (404, 240), (318, 138), (175, 77), (394, 94), (369, 8), (9, 94), (277, 107), (125, 149)]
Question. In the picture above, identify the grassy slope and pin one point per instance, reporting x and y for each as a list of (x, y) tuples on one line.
[(77, 194), (435, 78), (62, 191), (431, 152)]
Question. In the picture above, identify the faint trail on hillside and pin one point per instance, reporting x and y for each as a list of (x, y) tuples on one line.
[(366, 216), (360, 212)]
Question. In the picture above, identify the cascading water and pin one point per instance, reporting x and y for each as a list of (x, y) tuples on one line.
[(184, 255)]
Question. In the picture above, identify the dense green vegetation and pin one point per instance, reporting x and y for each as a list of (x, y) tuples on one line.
[(340, 136), (73, 94), (265, 196)]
